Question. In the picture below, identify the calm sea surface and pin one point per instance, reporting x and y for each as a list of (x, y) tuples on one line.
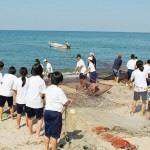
[(20, 48)]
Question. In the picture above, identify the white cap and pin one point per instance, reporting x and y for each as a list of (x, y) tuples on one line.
[(90, 58), (92, 54), (45, 60)]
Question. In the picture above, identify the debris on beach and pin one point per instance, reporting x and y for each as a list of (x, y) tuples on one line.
[(116, 141)]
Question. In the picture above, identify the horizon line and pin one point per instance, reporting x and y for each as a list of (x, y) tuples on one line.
[(107, 31)]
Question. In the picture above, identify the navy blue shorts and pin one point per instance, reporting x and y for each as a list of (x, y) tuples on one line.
[(82, 76), (53, 124), (34, 112), (129, 73), (21, 108), (93, 77), (3, 100)]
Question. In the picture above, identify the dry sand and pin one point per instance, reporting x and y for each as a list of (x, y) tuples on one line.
[(110, 108)]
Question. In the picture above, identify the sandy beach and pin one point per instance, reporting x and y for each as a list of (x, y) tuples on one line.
[(108, 108)]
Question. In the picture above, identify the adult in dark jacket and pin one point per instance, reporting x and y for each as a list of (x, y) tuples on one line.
[(116, 67)]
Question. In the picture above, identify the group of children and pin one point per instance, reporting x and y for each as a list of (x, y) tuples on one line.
[(138, 75), (35, 99), (85, 72)]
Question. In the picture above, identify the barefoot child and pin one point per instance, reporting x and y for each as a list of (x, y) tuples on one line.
[(6, 92), (55, 100), (92, 71), (81, 69), (34, 101), (20, 89), (140, 87)]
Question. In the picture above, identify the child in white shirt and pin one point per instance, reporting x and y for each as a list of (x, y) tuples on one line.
[(20, 90), (92, 71), (34, 101), (55, 100), (81, 69), (6, 90), (140, 87)]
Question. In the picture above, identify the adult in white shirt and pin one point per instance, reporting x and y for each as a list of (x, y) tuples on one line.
[(147, 67), (81, 69), (140, 87), (34, 101), (92, 71), (49, 68), (20, 90), (131, 66), (6, 91), (55, 101)]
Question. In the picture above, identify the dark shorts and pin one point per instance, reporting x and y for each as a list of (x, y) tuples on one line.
[(32, 112), (93, 77), (3, 100), (116, 72), (21, 108), (53, 124), (82, 76), (142, 95), (129, 73)]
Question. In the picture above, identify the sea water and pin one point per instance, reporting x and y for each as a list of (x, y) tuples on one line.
[(20, 48)]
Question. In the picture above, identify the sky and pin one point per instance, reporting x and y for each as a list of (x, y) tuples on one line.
[(75, 15)]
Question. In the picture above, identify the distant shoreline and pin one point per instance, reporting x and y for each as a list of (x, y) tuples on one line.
[(94, 31)]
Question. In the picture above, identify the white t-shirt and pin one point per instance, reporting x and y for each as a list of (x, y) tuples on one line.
[(36, 87), (55, 98), (49, 68), (131, 64), (7, 85), (91, 67), (147, 69), (81, 64), (139, 78), (21, 91)]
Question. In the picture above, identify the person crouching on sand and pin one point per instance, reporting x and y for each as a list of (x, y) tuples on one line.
[(34, 101), (6, 91), (81, 69), (55, 100), (116, 66), (20, 90), (91, 69), (140, 87)]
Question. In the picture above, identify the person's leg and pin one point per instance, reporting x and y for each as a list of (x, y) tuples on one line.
[(10, 105), (18, 120), (47, 142), (39, 127), (26, 120), (11, 112), (1, 113), (30, 123), (2, 103), (144, 100), (53, 142), (30, 114), (133, 106), (143, 108), (39, 117)]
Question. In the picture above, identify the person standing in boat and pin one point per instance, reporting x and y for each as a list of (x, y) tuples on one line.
[(49, 69), (81, 69), (116, 67)]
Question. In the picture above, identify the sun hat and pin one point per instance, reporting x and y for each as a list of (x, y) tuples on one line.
[(90, 58), (45, 60)]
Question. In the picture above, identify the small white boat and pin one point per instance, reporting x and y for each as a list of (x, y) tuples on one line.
[(66, 45)]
